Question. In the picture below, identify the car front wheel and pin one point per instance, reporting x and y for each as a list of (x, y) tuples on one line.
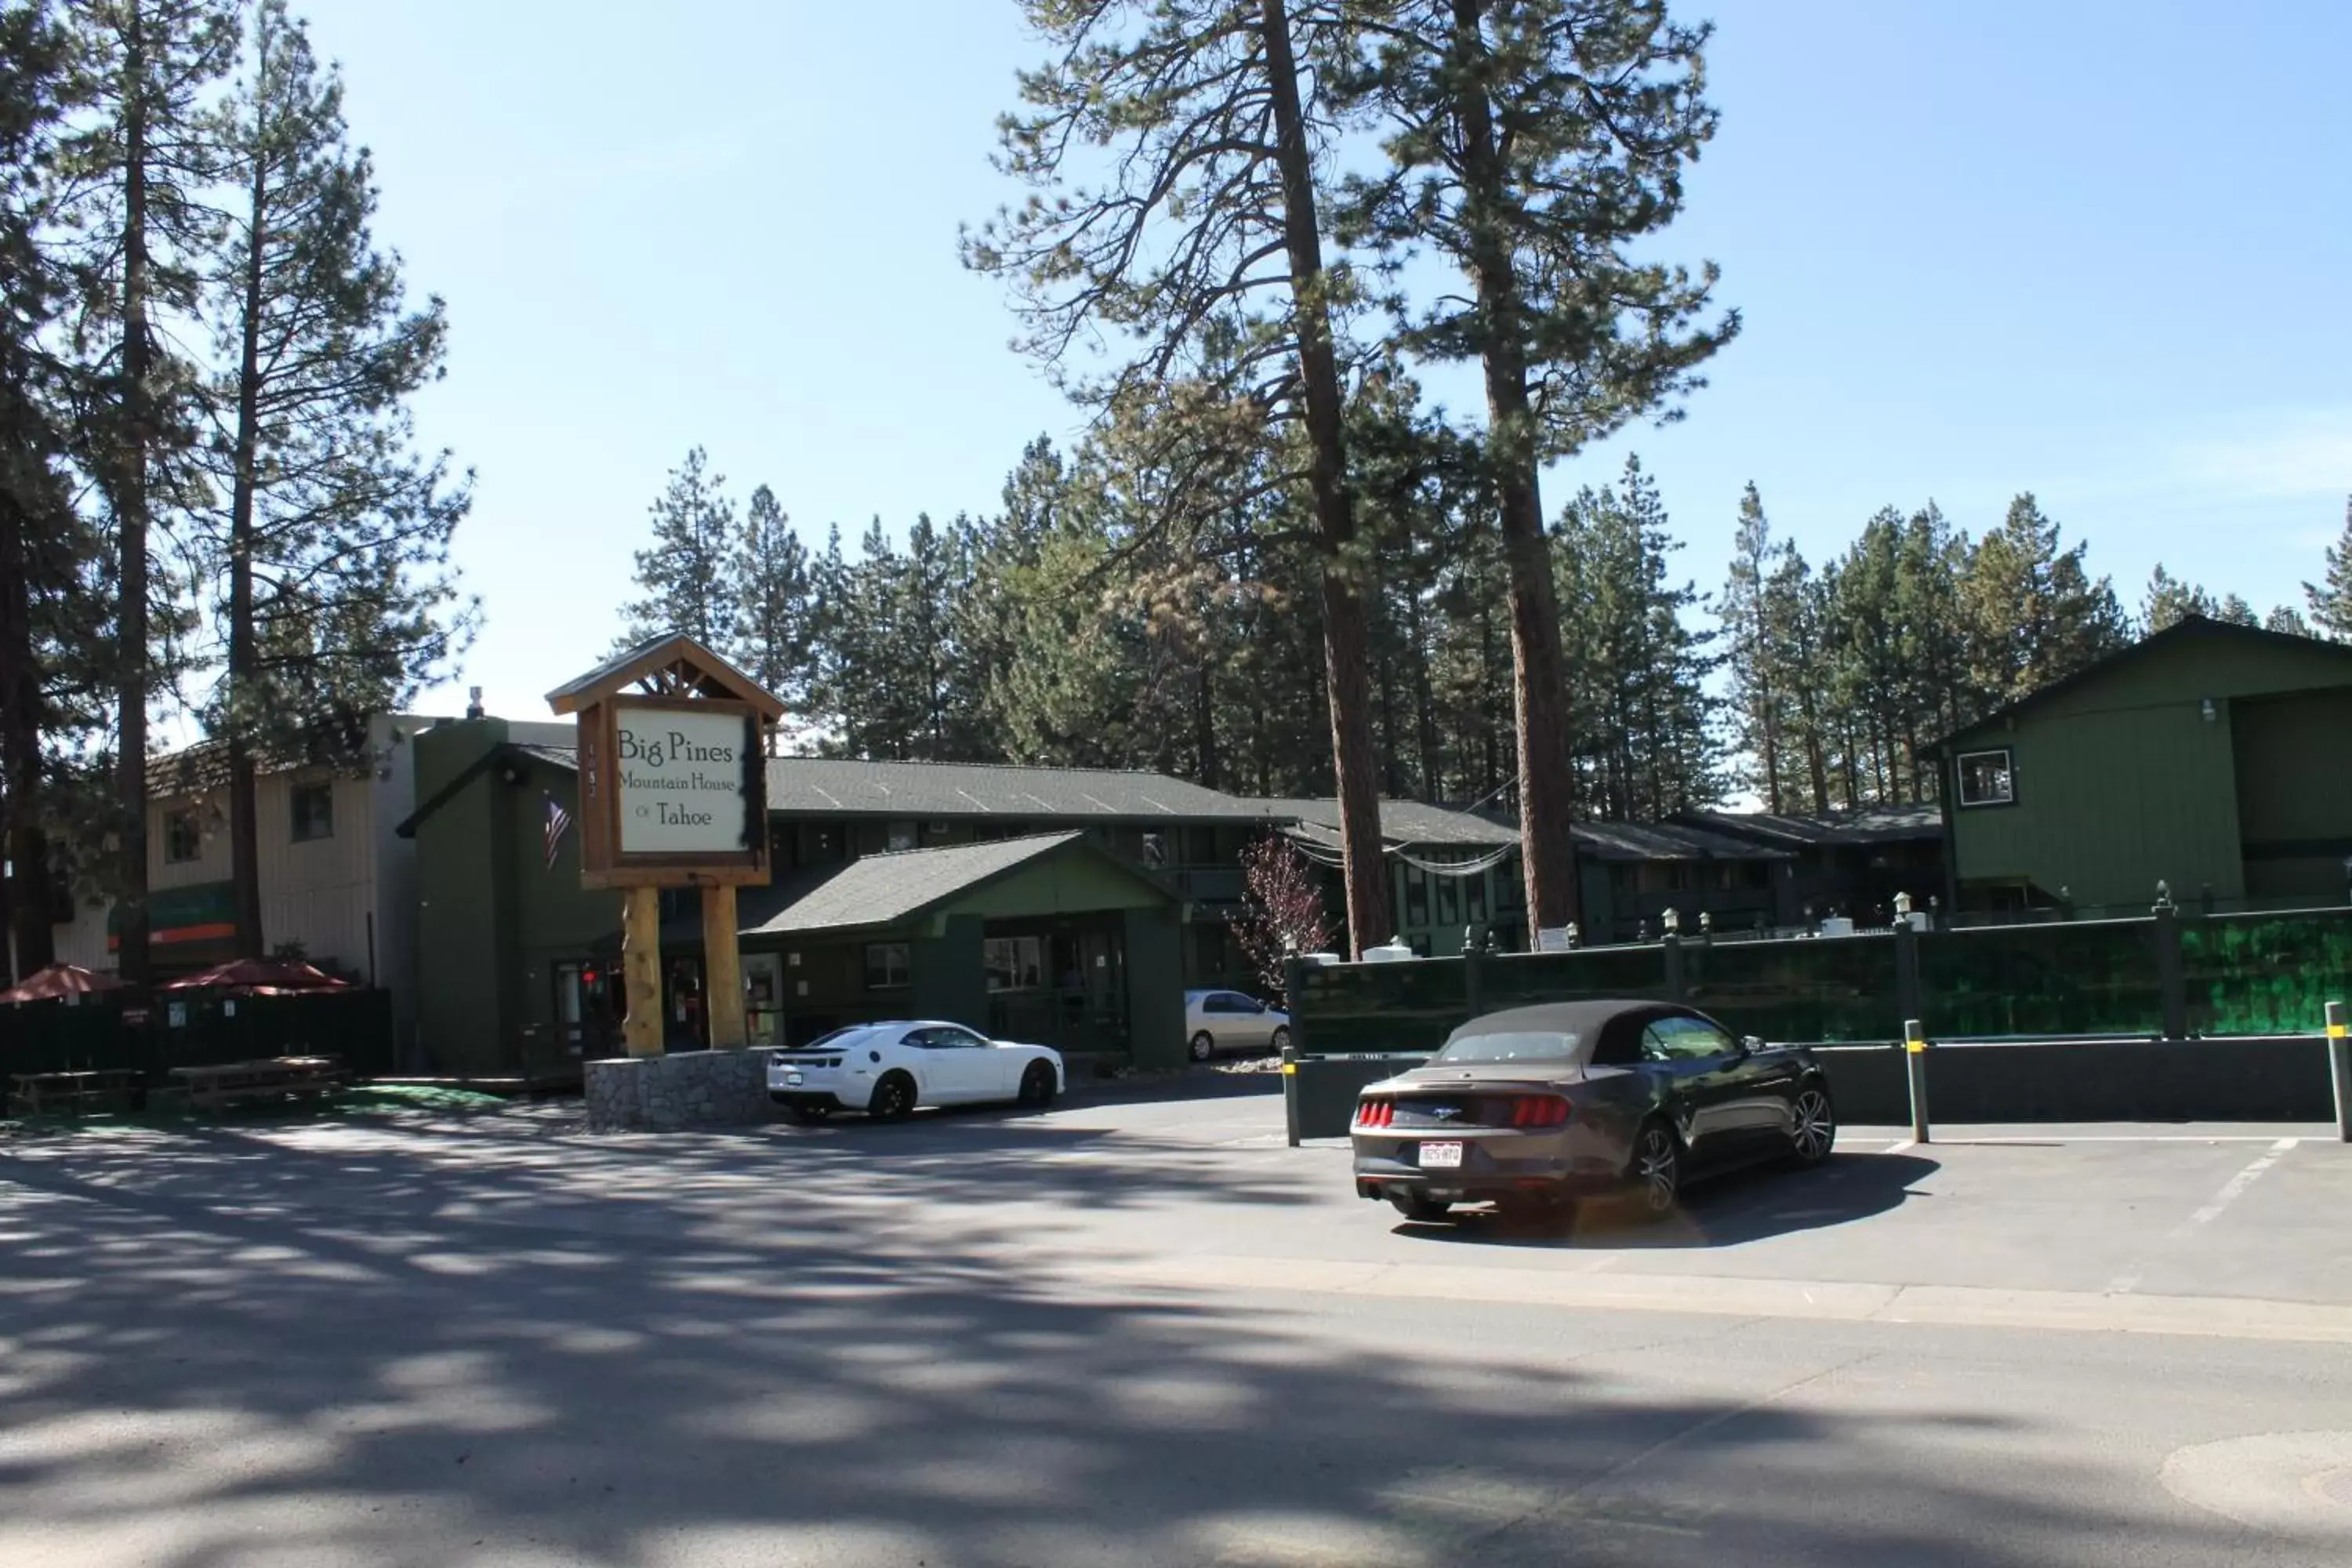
[(1037, 1086), (1279, 1041), (1204, 1046)]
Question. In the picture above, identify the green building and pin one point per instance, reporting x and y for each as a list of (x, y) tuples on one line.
[(2214, 758)]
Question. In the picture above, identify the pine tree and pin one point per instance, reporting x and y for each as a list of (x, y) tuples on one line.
[(2330, 599), (340, 602), (2288, 620), (2035, 615), (1758, 687), (775, 610), (139, 162), (684, 577), (49, 645), (2169, 600), (1204, 252)]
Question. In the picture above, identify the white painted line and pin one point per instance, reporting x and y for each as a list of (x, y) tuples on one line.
[(2232, 1187), (2130, 1138), (2125, 1284), (1901, 1145)]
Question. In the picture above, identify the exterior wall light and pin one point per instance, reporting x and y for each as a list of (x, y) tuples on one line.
[(2205, 706)]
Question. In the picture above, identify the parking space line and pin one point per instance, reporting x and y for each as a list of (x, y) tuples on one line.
[(2125, 1284)]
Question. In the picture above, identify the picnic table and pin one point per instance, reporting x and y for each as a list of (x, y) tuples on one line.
[(104, 1089), (275, 1078)]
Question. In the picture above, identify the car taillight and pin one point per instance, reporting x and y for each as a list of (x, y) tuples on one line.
[(1538, 1110), (1375, 1113)]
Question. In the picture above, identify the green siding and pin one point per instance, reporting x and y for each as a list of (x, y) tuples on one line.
[(2109, 803), (465, 915), (1155, 987), (2122, 781)]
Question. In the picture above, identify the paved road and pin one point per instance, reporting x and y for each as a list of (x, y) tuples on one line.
[(1152, 1334)]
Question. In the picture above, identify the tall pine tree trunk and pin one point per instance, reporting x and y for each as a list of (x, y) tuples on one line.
[(1538, 670), (129, 458), (244, 817), (29, 898), (1346, 642)]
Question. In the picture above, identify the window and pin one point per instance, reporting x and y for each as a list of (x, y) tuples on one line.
[(1509, 891), (1684, 1040), (1532, 1046), (183, 837), (314, 812), (1416, 895), (1229, 1002), (1474, 899), (902, 835), (944, 1038), (1449, 900), (1014, 963), (1200, 847), (1988, 778), (886, 965)]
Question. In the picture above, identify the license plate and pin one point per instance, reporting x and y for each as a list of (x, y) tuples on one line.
[(1441, 1156), (792, 1078)]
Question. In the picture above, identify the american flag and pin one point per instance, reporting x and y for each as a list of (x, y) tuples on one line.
[(558, 819)]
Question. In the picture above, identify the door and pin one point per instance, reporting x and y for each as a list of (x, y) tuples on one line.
[(1703, 1087), (958, 1065)]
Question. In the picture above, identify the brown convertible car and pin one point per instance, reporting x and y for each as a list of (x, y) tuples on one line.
[(1539, 1105)]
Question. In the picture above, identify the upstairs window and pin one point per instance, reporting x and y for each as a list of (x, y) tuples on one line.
[(1988, 778), (184, 838), (314, 812)]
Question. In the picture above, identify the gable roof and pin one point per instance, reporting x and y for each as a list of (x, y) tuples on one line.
[(673, 657), (2187, 629), (890, 889)]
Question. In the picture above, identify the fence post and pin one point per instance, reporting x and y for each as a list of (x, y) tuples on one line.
[(1290, 1091), (1671, 946), (1908, 1002), (2339, 1069), (2172, 985), (1915, 1063)]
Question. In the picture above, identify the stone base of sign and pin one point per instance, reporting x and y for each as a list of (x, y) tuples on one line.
[(665, 1094)]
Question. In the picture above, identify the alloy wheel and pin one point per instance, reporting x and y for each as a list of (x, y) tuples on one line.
[(1657, 1167), (1816, 1126)]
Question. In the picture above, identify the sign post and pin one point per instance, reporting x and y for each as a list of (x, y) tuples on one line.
[(673, 793)]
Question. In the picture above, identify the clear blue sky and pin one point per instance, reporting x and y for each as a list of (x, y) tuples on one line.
[(2098, 250)]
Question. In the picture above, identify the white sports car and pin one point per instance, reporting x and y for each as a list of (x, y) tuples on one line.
[(889, 1069)]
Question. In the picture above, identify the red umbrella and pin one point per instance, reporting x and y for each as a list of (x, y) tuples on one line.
[(61, 980), (260, 974)]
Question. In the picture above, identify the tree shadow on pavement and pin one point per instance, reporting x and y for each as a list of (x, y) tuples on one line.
[(492, 1344)]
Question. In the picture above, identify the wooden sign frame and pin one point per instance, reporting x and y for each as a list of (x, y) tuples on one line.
[(673, 673)]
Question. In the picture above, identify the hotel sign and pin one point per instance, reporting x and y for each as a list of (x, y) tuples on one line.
[(680, 778)]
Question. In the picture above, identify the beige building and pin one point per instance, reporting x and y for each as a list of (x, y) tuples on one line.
[(336, 879)]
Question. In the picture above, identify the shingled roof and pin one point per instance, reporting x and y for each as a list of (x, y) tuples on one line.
[(1869, 825), (1401, 822), (889, 889), (852, 787)]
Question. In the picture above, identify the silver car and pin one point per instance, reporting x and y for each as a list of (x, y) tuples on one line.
[(1218, 1021)]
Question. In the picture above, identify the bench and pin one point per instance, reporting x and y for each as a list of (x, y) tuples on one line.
[(103, 1088), (276, 1079)]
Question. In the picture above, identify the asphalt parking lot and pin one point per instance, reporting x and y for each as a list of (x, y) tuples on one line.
[(1151, 1333)]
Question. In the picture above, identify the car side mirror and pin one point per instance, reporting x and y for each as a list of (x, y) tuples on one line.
[(1750, 1043)]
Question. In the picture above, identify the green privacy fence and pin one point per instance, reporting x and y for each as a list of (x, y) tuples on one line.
[(196, 1030), (2165, 975)]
